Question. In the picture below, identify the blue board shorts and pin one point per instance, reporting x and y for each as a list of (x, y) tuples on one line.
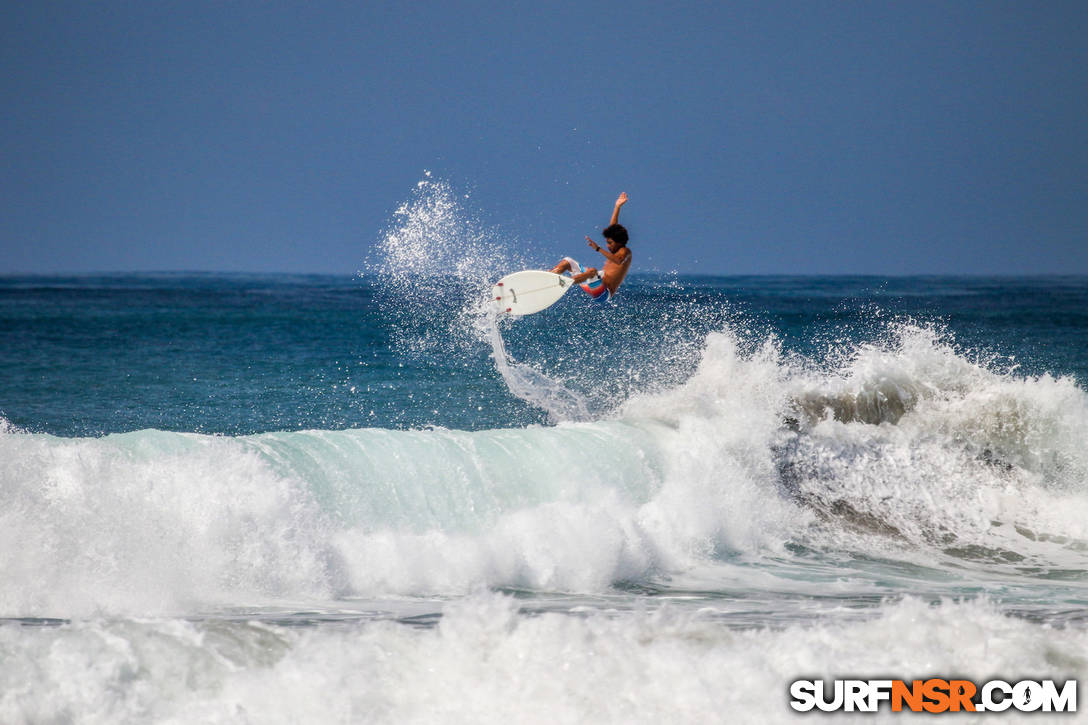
[(594, 286)]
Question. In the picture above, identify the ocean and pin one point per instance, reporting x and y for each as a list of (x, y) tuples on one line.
[(236, 498)]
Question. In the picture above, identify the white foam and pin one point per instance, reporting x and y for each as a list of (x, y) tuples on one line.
[(944, 449), (486, 663), (149, 522)]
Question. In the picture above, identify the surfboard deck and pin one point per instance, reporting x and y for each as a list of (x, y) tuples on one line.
[(533, 290)]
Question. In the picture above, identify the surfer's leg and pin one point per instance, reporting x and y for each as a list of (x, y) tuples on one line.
[(567, 264), (562, 267)]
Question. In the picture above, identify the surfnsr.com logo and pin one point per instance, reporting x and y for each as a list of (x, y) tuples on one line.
[(933, 695)]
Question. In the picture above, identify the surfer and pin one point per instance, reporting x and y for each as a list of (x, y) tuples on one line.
[(601, 286)]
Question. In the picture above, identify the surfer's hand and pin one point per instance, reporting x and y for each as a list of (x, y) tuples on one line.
[(596, 247), (622, 199)]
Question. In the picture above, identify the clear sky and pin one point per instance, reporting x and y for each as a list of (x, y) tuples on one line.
[(757, 137)]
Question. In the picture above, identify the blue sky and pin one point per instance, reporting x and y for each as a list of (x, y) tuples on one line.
[(756, 137)]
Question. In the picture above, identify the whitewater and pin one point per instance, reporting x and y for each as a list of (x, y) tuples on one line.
[(254, 499)]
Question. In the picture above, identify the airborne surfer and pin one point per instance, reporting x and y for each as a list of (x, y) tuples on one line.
[(603, 285)]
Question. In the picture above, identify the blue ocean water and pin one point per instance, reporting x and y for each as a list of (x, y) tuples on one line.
[(242, 354), (369, 498)]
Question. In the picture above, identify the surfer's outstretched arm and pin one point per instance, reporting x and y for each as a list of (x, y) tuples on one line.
[(619, 257), (616, 211)]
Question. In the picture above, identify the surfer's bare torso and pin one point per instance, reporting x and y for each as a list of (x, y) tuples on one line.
[(617, 262)]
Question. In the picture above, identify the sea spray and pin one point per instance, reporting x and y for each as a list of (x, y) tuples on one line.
[(438, 262), (531, 385)]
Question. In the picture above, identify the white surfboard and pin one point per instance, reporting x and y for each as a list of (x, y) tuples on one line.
[(523, 293)]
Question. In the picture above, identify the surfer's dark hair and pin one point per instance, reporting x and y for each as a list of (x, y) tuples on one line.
[(616, 233)]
